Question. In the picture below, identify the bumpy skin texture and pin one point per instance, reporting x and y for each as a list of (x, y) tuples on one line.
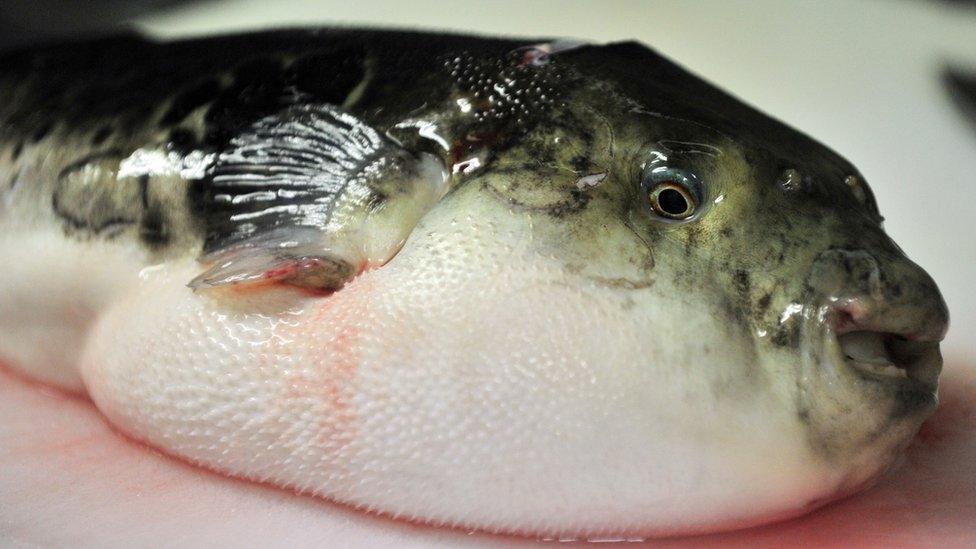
[(544, 356)]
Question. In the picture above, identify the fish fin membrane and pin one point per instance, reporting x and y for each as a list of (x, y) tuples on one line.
[(309, 197), (294, 256), (291, 169)]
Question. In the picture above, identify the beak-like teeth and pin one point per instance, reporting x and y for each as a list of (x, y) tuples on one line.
[(869, 353), (883, 355), (865, 346)]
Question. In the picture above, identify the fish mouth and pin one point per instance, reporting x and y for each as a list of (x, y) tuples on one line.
[(907, 362), (887, 357)]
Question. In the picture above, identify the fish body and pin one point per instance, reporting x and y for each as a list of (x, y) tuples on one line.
[(525, 286)]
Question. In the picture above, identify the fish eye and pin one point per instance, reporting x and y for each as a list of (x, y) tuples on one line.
[(672, 194)]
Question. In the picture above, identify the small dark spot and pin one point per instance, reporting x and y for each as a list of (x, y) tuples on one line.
[(896, 290), (153, 230), (785, 337), (741, 280), (376, 202), (144, 191), (726, 232), (848, 268), (101, 135), (764, 302), (578, 202), (580, 164), (736, 310), (692, 242), (807, 292), (41, 132), (909, 401), (18, 148)]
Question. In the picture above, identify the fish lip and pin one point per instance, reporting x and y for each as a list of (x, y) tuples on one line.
[(850, 411)]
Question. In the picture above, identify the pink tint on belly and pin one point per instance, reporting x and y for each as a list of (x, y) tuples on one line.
[(331, 335)]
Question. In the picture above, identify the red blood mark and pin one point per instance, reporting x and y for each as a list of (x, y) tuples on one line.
[(89, 452), (283, 271), (534, 57), (313, 274), (328, 377), (253, 287), (294, 267)]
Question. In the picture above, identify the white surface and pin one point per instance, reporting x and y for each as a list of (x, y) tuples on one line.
[(863, 77)]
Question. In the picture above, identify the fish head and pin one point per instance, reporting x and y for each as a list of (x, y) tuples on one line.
[(732, 284)]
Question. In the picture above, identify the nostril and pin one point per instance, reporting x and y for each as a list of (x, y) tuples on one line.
[(902, 299), (844, 323), (849, 316), (854, 316)]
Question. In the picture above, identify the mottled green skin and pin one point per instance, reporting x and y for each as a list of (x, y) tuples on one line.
[(749, 255)]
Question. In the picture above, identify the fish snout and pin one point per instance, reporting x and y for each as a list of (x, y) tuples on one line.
[(888, 315)]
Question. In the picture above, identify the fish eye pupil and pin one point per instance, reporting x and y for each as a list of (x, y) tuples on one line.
[(672, 193), (672, 202)]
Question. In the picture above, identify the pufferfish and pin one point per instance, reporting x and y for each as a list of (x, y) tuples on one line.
[(525, 286)]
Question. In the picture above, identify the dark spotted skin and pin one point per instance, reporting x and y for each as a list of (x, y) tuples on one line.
[(136, 82), (750, 254), (127, 87), (116, 95)]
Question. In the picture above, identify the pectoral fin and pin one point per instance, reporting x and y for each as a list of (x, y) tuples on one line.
[(311, 197), (293, 256)]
